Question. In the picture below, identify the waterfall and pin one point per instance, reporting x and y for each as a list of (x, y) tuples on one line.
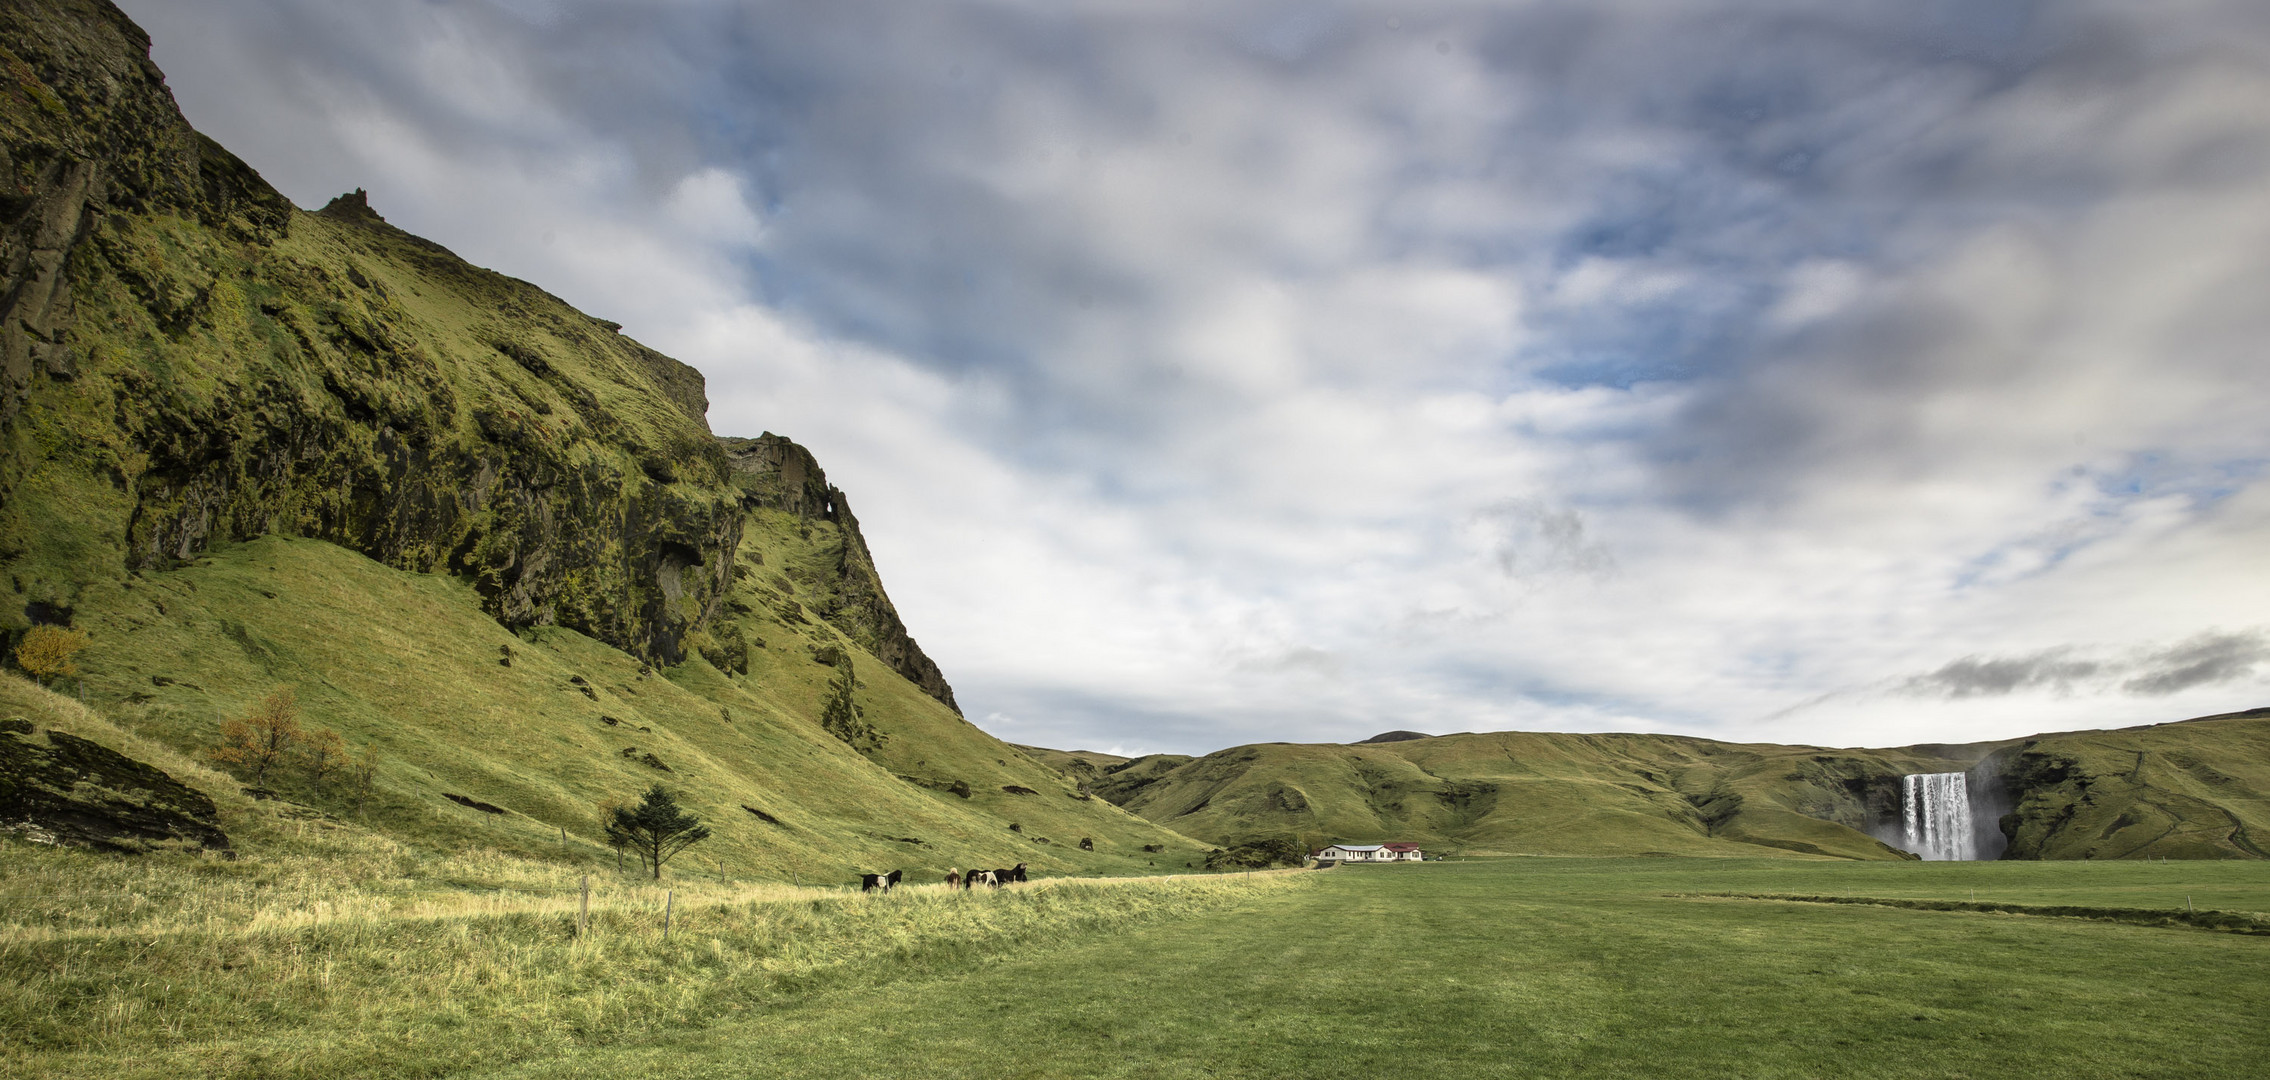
[(1936, 810)]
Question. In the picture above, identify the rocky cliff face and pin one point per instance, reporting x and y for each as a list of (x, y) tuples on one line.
[(186, 359), (777, 474), (87, 129)]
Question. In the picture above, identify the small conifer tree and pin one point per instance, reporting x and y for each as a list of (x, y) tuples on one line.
[(656, 829)]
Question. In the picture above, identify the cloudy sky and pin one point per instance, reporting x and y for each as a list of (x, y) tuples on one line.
[(1204, 373)]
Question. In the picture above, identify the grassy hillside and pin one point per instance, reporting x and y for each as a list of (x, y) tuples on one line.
[(329, 946), (411, 667), (1120, 781), (2196, 789), (1532, 793), (1084, 763)]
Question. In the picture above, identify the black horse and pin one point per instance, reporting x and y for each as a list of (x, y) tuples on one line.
[(872, 882)]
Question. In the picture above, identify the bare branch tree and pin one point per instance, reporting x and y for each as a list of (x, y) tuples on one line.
[(263, 737)]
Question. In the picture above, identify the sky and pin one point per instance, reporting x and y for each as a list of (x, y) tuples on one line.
[(1211, 373)]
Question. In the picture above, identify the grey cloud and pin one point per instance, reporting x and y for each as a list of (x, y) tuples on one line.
[(2032, 178), (2203, 660), (1977, 676), (1531, 538)]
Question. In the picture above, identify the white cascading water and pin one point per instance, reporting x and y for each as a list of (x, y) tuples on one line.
[(1936, 808)]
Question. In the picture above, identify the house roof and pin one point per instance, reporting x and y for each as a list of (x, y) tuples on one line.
[(1401, 847), (1356, 847)]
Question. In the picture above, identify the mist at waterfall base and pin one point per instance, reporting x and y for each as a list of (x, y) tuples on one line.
[(1945, 817)]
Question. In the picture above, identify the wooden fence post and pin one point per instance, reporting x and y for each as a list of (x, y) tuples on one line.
[(666, 902), (583, 910)]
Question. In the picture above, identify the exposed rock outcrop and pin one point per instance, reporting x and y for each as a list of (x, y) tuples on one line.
[(61, 789)]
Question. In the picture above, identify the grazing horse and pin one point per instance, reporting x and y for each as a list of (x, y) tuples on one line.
[(953, 878), (871, 882), (1013, 874), (986, 878)]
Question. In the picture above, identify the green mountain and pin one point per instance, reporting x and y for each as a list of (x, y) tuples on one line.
[(482, 535), (2196, 789)]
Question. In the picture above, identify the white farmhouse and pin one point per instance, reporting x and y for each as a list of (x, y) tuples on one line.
[(1371, 853)]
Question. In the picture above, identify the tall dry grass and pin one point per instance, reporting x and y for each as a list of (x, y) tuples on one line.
[(356, 956)]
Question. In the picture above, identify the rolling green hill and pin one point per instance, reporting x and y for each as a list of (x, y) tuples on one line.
[(482, 535), (1533, 793), (2196, 789)]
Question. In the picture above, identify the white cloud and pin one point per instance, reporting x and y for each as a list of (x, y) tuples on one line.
[(1203, 378)]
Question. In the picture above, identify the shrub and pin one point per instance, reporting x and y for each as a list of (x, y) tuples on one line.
[(1258, 854), (47, 652), (262, 738), (323, 754), (362, 776), (840, 715)]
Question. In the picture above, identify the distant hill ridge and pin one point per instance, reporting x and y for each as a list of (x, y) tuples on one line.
[(2191, 789)]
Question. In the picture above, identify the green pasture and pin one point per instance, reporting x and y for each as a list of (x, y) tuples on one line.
[(425, 967), (1566, 968)]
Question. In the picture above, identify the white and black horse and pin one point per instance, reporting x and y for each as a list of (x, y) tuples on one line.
[(871, 882)]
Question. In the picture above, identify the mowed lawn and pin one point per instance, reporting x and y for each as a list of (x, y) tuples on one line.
[(1569, 968)]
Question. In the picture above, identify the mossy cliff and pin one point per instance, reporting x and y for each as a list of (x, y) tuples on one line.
[(188, 360), (839, 574), (488, 541)]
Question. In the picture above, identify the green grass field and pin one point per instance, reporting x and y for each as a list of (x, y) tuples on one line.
[(1567, 967), (469, 966)]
